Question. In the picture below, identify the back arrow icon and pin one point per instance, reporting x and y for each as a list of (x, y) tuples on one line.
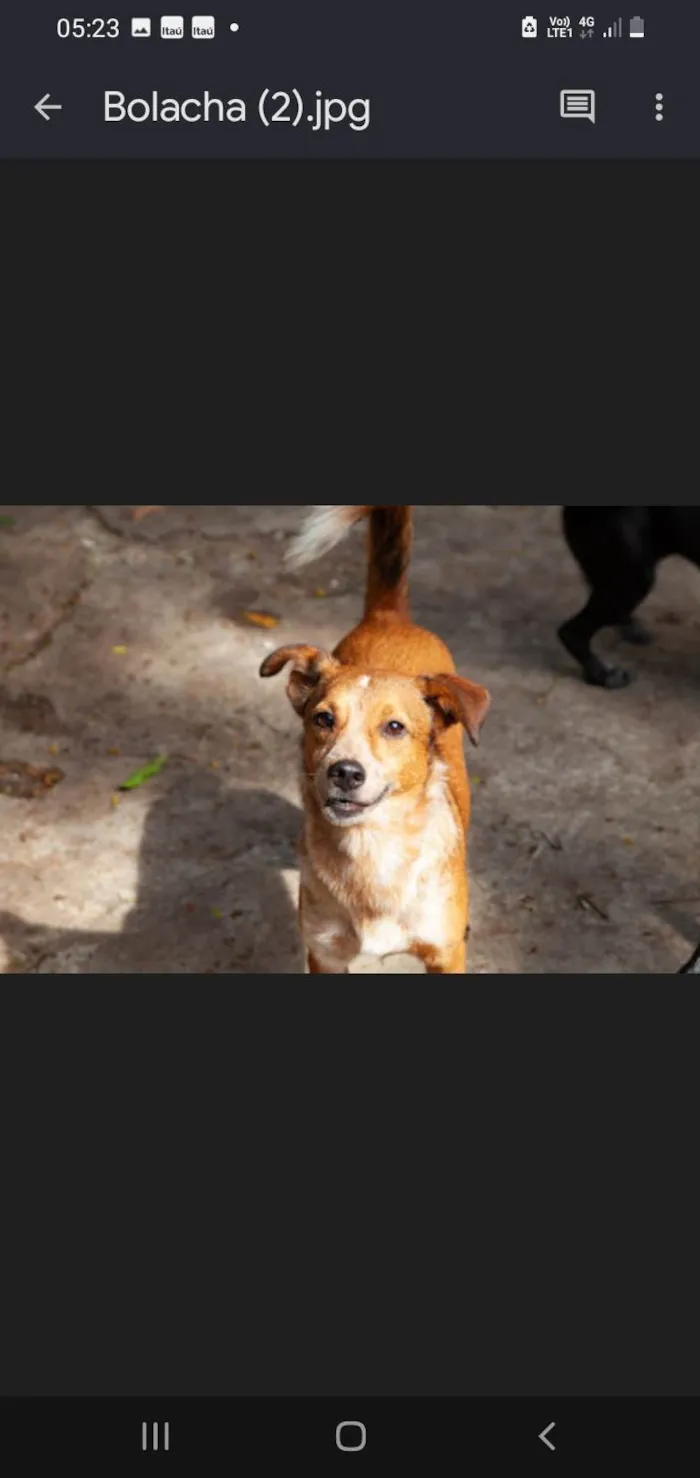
[(44, 107), (544, 1438)]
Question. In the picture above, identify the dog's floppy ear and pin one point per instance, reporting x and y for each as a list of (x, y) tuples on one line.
[(310, 664), (457, 701)]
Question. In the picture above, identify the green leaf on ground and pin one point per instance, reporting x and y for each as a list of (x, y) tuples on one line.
[(147, 772)]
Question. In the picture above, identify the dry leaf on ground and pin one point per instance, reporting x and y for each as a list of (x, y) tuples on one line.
[(25, 782), (261, 618)]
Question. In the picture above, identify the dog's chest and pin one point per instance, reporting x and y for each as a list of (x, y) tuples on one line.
[(411, 900), (423, 918), (388, 899)]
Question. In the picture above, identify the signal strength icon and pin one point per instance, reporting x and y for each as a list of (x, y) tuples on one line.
[(614, 31)]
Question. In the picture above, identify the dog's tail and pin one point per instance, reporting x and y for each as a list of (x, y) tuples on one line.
[(692, 966), (390, 535)]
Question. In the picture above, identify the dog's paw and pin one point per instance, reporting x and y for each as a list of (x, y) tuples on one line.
[(636, 632), (604, 676)]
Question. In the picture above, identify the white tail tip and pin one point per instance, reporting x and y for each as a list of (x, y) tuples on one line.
[(320, 531)]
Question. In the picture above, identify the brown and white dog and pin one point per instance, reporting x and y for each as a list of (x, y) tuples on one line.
[(384, 782)]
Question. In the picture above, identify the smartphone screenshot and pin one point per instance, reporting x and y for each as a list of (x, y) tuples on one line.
[(253, 1217), (349, 854), (313, 80)]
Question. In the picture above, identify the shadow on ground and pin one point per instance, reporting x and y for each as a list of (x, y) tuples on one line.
[(211, 897)]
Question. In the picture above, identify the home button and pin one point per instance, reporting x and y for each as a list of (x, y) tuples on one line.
[(351, 1436)]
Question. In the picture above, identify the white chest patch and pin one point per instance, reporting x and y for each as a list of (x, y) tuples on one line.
[(421, 911), (410, 893)]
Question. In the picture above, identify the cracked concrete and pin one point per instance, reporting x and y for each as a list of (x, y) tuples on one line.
[(122, 638)]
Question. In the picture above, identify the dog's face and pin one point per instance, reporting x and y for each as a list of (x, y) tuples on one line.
[(366, 739), (368, 736)]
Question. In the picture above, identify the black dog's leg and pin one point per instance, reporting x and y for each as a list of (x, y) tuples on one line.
[(634, 631), (605, 608), (616, 553)]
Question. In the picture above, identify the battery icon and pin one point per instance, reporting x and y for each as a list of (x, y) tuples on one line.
[(636, 27)]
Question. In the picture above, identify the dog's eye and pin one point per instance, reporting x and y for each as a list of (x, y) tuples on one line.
[(394, 728), (324, 720)]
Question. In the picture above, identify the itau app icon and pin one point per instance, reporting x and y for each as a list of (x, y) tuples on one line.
[(172, 27)]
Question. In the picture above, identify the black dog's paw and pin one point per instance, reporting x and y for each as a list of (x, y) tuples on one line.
[(636, 632), (601, 675), (618, 677), (596, 672)]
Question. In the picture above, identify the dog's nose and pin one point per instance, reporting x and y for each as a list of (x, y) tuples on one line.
[(347, 774)]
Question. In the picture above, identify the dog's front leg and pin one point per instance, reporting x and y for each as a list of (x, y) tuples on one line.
[(329, 942), (316, 969), (449, 961)]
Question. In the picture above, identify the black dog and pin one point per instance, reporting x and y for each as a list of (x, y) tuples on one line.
[(618, 550)]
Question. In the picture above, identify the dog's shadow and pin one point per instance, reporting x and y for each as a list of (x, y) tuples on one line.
[(210, 894)]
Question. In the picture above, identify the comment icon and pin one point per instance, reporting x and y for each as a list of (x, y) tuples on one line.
[(579, 103)]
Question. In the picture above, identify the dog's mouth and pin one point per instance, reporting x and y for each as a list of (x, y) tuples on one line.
[(344, 808)]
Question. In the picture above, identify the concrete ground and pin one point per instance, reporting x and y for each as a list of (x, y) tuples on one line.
[(123, 636)]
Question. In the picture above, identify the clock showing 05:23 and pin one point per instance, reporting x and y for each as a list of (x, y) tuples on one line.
[(78, 28)]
